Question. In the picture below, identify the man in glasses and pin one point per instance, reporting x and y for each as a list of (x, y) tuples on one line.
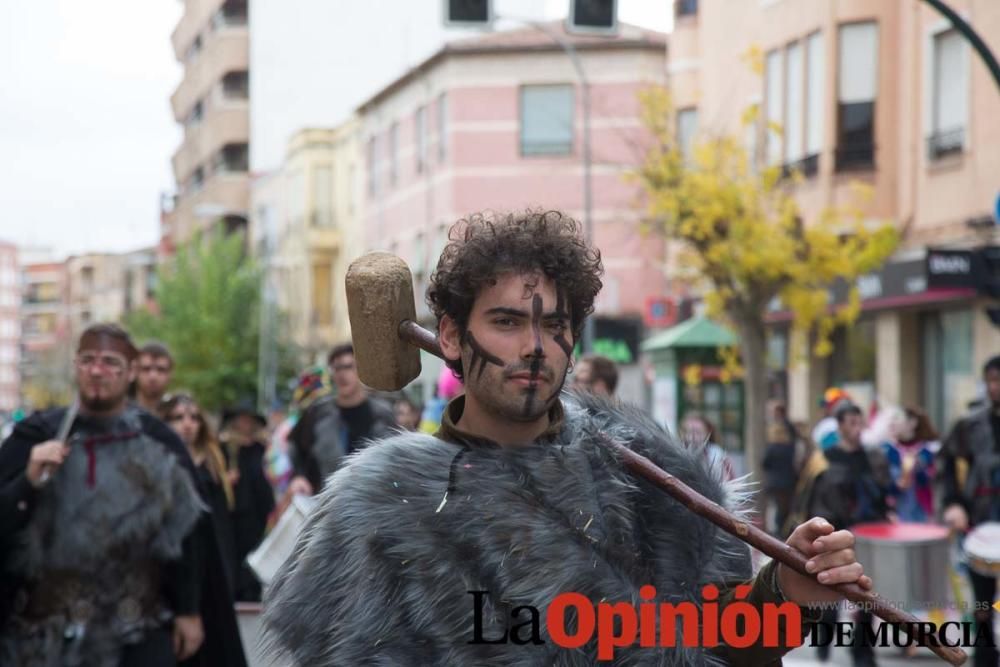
[(101, 551), (336, 425)]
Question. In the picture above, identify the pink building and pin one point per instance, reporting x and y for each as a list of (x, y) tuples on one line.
[(10, 328), (495, 122)]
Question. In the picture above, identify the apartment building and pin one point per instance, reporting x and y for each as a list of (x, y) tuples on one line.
[(211, 103), (890, 95), (305, 231), (496, 122), (45, 344)]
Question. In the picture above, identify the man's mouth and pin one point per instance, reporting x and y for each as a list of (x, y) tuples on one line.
[(527, 379)]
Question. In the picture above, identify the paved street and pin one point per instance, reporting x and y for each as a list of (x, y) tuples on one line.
[(887, 657)]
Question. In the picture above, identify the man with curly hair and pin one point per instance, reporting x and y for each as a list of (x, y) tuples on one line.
[(449, 549)]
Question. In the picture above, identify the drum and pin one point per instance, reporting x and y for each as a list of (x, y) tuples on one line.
[(278, 545), (908, 562), (982, 548)]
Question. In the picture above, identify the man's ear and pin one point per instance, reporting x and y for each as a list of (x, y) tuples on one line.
[(133, 370), (450, 339)]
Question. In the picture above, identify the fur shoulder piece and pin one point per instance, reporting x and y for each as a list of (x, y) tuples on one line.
[(385, 568)]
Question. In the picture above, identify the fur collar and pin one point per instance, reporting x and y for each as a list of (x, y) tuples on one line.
[(407, 527)]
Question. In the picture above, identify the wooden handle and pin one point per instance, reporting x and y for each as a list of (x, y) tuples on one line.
[(414, 334), (754, 536)]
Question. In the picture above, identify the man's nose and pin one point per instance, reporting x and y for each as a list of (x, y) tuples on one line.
[(532, 344)]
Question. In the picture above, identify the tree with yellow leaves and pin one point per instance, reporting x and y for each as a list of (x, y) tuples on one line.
[(744, 240)]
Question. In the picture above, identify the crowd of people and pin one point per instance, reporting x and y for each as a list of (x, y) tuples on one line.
[(127, 518)]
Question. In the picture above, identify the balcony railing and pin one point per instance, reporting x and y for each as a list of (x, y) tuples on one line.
[(807, 166), (946, 142)]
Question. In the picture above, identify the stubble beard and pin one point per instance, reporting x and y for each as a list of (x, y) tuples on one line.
[(494, 397)]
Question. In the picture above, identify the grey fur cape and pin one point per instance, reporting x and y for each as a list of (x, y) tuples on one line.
[(382, 570)]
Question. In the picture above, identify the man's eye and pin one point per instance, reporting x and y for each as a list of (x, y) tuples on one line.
[(504, 322), (556, 327)]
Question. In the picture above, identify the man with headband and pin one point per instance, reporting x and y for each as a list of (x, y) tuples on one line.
[(102, 554), (434, 550)]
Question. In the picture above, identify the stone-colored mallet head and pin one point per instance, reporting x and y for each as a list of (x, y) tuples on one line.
[(379, 298)]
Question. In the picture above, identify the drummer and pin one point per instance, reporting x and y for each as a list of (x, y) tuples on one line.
[(970, 487), (852, 488)]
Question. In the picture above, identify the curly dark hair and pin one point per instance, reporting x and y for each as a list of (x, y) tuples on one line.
[(485, 245)]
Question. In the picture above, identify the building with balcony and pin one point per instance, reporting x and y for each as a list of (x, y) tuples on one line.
[(211, 103), (890, 95), (305, 230), (95, 290), (45, 343), (496, 122), (10, 328)]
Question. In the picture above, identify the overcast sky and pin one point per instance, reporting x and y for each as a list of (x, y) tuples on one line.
[(86, 132)]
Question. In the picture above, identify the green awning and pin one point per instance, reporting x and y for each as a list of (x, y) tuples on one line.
[(695, 332)]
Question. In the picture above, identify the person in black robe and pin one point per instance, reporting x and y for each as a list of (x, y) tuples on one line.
[(253, 496)]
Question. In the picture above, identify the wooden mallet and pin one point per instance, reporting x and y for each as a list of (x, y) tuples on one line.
[(386, 340)]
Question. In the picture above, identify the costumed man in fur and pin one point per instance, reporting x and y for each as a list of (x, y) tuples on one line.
[(103, 542), (515, 497)]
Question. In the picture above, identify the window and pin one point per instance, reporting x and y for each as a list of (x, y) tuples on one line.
[(193, 50), (773, 76), (856, 90), (195, 115), (794, 104), (232, 13), (236, 85), (232, 158), (685, 8), (196, 181), (949, 95), (322, 214), (442, 122), (687, 126), (814, 98), (420, 137), (322, 295), (547, 120), (393, 150)]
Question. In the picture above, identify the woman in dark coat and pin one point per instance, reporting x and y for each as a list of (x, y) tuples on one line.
[(183, 415), (222, 644)]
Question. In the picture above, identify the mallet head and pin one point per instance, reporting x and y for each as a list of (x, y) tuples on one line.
[(379, 297)]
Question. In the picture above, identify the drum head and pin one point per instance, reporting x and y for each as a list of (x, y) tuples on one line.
[(984, 542)]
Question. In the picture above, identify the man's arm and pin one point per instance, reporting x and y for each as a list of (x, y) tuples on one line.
[(17, 495), (764, 590), (953, 451)]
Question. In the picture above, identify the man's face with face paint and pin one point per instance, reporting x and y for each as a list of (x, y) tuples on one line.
[(103, 373), (516, 347)]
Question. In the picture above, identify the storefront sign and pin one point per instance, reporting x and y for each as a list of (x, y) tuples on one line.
[(616, 339), (951, 268), (939, 269)]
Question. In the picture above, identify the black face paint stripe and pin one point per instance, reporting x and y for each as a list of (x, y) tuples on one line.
[(561, 341), (536, 324), (536, 362), (481, 355)]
